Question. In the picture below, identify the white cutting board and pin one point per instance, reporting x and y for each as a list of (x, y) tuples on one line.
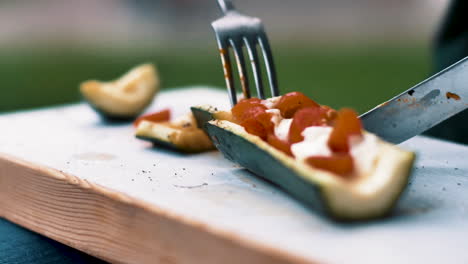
[(210, 193)]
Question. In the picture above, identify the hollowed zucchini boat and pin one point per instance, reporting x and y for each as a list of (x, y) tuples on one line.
[(126, 97), (363, 197), (182, 134)]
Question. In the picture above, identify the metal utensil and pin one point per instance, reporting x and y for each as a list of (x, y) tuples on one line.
[(422, 106), (236, 30)]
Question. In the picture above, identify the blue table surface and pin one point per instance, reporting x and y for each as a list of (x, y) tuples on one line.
[(18, 245)]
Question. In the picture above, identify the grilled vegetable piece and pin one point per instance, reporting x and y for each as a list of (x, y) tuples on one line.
[(126, 97), (362, 197), (181, 134)]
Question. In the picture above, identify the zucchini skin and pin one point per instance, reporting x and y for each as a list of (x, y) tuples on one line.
[(162, 143), (169, 145), (203, 114), (261, 163), (256, 160), (266, 163)]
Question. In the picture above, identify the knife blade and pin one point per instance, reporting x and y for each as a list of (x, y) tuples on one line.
[(422, 106)]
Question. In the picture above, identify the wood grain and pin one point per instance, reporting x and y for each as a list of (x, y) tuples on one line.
[(113, 226)]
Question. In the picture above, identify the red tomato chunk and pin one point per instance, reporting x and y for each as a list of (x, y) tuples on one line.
[(279, 144), (347, 124), (341, 164), (247, 108), (161, 116), (290, 103)]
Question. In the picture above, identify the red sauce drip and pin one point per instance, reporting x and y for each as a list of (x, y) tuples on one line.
[(452, 96)]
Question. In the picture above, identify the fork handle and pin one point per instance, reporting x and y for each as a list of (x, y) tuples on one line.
[(226, 6)]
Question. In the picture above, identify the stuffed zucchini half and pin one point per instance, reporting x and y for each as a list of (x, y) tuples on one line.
[(321, 156), (126, 97), (181, 134)]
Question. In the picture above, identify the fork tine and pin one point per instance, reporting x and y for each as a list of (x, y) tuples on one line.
[(270, 66), (253, 55), (226, 61), (237, 48)]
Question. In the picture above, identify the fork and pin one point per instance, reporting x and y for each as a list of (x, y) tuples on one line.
[(235, 30)]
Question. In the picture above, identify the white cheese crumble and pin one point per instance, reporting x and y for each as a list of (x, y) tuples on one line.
[(364, 149), (276, 118), (314, 143), (282, 129), (282, 125), (270, 103)]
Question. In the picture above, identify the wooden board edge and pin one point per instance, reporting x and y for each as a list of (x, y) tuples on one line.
[(114, 226)]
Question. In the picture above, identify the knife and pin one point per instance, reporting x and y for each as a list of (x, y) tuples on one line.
[(422, 106)]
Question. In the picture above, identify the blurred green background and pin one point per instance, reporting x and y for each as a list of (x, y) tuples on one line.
[(360, 76), (340, 54)]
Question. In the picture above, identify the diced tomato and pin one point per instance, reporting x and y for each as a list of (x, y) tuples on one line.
[(265, 120), (339, 163), (291, 102), (306, 117), (260, 125), (247, 108), (252, 115), (347, 123), (161, 116), (279, 144), (254, 127), (253, 112)]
